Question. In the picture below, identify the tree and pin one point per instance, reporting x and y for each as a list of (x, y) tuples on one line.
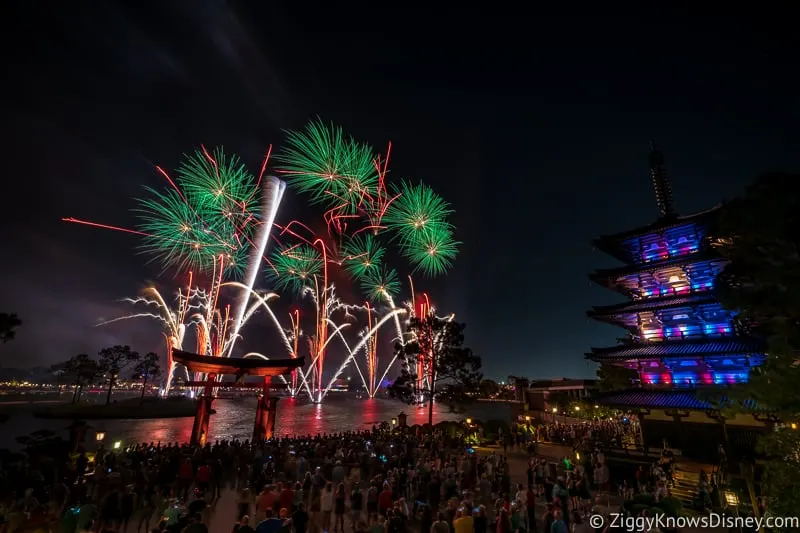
[(146, 369), (9, 322), (614, 377), (81, 371), (489, 388), (113, 361), (559, 399), (781, 475), (436, 365), (759, 234)]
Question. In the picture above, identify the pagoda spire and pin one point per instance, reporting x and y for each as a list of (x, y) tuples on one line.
[(661, 183)]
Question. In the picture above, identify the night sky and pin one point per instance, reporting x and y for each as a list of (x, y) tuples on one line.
[(535, 129)]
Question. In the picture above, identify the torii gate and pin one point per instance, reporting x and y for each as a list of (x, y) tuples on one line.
[(214, 367)]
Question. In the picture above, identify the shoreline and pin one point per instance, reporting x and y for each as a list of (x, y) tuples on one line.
[(129, 409)]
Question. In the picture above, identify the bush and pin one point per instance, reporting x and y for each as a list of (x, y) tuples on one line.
[(491, 428), (646, 502)]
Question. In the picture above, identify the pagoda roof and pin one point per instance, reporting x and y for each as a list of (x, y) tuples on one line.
[(239, 367), (602, 312), (657, 350), (609, 243), (602, 276), (667, 399)]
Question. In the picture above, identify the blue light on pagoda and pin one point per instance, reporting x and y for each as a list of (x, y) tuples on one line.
[(717, 329), (691, 379), (666, 249), (667, 290)]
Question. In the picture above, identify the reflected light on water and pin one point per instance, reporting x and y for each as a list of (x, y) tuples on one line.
[(235, 418)]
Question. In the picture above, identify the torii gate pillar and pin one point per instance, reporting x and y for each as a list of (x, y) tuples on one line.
[(202, 415), (264, 426)]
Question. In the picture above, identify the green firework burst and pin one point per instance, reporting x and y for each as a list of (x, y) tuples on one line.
[(332, 169), (218, 186), (417, 212), (177, 236), (379, 283), (294, 268), (432, 253), (211, 221), (361, 255)]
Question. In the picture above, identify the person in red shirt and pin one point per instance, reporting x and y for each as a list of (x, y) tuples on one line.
[(286, 497), (185, 477), (266, 500), (530, 503), (203, 478), (385, 499)]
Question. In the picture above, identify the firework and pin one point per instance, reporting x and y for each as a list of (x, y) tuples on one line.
[(432, 253), (334, 170), (174, 319), (371, 350), (210, 211), (273, 195), (295, 268), (365, 338), (380, 284), (216, 217), (417, 212), (362, 255)]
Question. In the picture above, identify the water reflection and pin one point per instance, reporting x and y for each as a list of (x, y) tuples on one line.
[(234, 419)]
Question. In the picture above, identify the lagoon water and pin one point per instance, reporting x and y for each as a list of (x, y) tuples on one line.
[(234, 419)]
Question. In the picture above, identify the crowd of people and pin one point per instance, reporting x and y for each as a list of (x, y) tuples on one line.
[(376, 481)]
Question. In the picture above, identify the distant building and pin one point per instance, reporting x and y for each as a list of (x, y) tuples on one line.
[(537, 393)]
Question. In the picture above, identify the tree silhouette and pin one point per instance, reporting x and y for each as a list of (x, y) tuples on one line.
[(760, 236), (81, 370), (559, 399), (614, 377), (9, 322), (759, 233), (146, 369), (489, 388), (113, 361), (450, 372)]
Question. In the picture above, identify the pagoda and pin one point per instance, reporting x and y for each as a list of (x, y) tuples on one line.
[(679, 337)]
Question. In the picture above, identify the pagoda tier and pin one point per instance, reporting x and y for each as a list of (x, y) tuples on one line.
[(668, 399), (672, 318), (668, 237), (656, 351), (687, 363), (683, 275)]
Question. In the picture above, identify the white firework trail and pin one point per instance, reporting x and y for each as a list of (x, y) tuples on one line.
[(352, 352), (174, 320), (262, 301), (273, 194)]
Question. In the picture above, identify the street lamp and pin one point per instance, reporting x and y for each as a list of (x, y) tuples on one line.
[(731, 498), (100, 436), (527, 418), (469, 421), (555, 410), (597, 407), (577, 407), (394, 421)]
